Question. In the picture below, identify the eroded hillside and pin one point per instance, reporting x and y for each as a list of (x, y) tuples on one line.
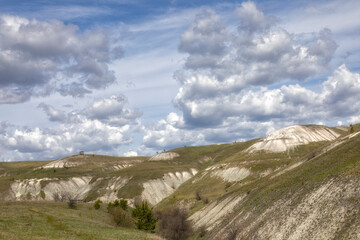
[(300, 182)]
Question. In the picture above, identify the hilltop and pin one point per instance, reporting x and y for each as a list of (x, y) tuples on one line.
[(300, 182)]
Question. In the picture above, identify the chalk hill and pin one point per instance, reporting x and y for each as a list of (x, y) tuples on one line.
[(301, 182)]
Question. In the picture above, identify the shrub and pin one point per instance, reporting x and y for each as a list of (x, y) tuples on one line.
[(109, 206), (174, 224), (121, 217), (311, 155), (72, 203), (124, 204), (205, 200), (114, 204), (197, 195), (144, 216), (97, 204), (352, 128)]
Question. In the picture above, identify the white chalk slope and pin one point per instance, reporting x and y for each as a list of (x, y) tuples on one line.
[(157, 189), (64, 162), (164, 156), (290, 137)]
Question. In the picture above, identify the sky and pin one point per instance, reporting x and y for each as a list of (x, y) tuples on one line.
[(132, 78)]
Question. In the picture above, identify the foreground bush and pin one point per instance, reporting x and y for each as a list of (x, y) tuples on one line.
[(72, 203), (174, 224), (114, 204), (124, 204), (121, 217), (144, 216), (97, 204)]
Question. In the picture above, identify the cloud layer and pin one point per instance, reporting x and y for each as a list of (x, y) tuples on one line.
[(38, 58), (104, 126), (230, 82), (222, 64), (239, 75)]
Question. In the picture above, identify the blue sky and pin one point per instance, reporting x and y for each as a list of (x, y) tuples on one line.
[(136, 77)]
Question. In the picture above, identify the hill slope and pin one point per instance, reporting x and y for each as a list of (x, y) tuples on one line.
[(300, 182), (39, 221)]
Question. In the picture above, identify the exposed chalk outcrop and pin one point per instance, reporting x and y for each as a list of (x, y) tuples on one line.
[(211, 215), (53, 188), (232, 174), (109, 192), (62, 163), (164, 156), (320, 214), (158, 189), (74, 188), (290, 137), (205, 159)]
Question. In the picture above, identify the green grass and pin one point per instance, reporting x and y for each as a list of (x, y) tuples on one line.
[(48, 220)]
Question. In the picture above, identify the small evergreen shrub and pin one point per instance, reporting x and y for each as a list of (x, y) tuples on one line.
[(144, 216)]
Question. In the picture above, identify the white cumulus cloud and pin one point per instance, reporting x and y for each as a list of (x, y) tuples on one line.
[(39, 58)]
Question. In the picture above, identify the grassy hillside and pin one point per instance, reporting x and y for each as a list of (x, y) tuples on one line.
[(278, 180), (37, 221), (269, 195)]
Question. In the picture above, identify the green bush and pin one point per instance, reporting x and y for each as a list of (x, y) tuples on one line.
[(124, 204), (97, 204), (114, 204), (144, 216), (121, 217)]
